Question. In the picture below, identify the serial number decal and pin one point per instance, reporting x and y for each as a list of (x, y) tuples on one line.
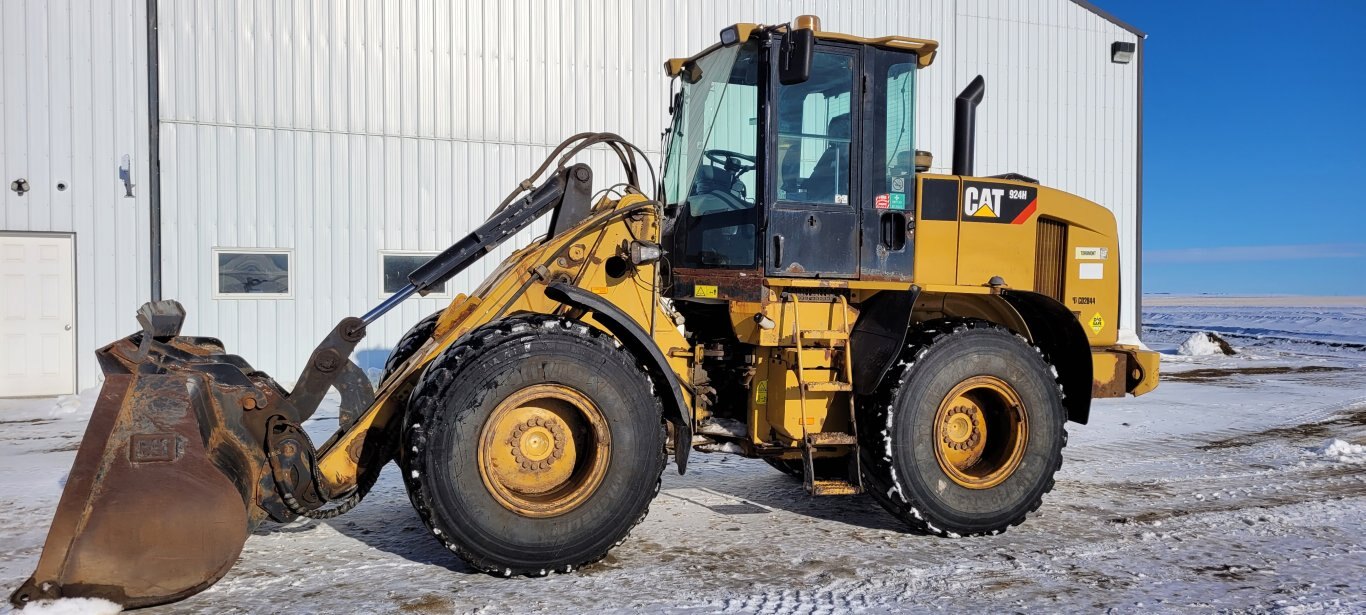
[(1084, 300)]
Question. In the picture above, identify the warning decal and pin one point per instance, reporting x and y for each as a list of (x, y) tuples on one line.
[(1097, 323)]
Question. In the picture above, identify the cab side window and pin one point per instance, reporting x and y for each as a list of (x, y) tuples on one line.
[(814, 131)]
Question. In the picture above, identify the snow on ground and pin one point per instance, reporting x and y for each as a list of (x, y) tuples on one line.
[(1228, 488), (1342, 452), (73, 606)]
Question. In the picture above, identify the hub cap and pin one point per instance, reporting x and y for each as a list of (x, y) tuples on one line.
[(544, 450), (980, 432)]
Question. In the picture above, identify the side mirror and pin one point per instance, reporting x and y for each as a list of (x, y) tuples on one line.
[(795, 55)]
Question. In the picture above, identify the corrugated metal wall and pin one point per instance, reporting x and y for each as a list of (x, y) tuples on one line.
[(1056, 109), (73, 102), (340, 129)]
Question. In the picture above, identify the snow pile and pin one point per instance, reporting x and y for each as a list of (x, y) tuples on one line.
[(375, 374), (75, 406), (1342, 451), (72, 606), (1204, 344)]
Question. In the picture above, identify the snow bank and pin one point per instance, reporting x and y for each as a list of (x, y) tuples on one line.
[(75, 406), (1204, 344), (1342, 451), (72, 606), (65, 407)]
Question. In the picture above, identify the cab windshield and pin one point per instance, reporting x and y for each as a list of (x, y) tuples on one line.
[(710, 172)]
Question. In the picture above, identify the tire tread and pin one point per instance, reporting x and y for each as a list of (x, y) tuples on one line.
[(876, 429), (434, 384)]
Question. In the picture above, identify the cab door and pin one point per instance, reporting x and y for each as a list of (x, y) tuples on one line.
[(813, 221), (888, 163)]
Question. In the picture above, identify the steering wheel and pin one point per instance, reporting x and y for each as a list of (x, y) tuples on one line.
[(735, 162)]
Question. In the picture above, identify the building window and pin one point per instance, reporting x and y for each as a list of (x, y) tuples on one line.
[(250, 273), (395, 268)]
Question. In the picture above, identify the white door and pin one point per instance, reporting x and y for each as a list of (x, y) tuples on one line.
[(37, 315)]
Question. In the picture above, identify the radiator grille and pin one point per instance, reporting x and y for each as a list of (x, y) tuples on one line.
[(1050, 259)]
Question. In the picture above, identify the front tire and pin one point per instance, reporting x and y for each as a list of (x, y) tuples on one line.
[(408, 345), (967, 435), (533, 445)]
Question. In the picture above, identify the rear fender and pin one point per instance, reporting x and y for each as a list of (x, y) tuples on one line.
[(880, 335), (1058, 333)]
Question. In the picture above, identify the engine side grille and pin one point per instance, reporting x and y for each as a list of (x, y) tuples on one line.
[(1050, 259)]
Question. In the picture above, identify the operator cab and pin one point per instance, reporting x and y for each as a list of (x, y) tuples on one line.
[(792, 154)]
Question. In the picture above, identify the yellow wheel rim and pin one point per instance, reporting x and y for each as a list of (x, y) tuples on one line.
[(980, 432), (544, 450)]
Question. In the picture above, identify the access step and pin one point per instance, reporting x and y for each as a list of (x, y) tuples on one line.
[(836, 486), (831, 438), (827, 387), (824, 334)]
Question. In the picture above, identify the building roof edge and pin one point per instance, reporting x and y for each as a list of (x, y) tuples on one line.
[(1106, 15)]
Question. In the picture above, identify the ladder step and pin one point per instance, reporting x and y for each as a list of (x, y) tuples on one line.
[(831, 438), (828, 387), (834, 487), (824, 334)]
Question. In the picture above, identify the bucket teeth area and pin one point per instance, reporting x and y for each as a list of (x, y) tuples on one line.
[(168, 475)]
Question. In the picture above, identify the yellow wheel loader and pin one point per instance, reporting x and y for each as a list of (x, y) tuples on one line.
[(796, 287)]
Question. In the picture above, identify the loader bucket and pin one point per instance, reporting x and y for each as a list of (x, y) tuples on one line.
[(166, 484)]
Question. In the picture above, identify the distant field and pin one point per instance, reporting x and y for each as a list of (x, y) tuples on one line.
[(1253, 301), (1307, 325)]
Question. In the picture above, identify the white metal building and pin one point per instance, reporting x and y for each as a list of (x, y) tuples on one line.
[(304, 144)]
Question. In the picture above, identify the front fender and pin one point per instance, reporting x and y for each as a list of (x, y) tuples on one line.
[(646, 350)]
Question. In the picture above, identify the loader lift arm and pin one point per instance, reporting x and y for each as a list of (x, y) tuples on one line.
[(567, 192), (568, 188)]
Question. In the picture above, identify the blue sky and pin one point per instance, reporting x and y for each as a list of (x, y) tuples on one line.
[(1254, 145)]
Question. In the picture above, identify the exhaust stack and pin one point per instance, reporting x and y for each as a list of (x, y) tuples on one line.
[(965, 125)]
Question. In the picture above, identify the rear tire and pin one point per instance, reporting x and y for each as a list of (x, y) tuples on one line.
[(533, 445), (966, 433)]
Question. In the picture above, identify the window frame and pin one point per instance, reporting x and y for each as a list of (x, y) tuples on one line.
[(685, 223), (856, 138), (288, 253), (383, 294)]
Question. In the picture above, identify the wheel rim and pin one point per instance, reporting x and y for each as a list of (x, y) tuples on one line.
[(980, 432), (544, 450)]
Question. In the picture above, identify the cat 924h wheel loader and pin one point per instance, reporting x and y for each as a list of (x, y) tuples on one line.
[(800, 289)]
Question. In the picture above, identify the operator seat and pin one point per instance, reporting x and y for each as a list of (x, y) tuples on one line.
[(831, 173)]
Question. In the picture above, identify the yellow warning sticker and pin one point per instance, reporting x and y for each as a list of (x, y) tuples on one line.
[(1097, 323), (704, 291), (761, 393)]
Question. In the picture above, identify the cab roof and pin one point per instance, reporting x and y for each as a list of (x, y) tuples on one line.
[(925, 49)]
